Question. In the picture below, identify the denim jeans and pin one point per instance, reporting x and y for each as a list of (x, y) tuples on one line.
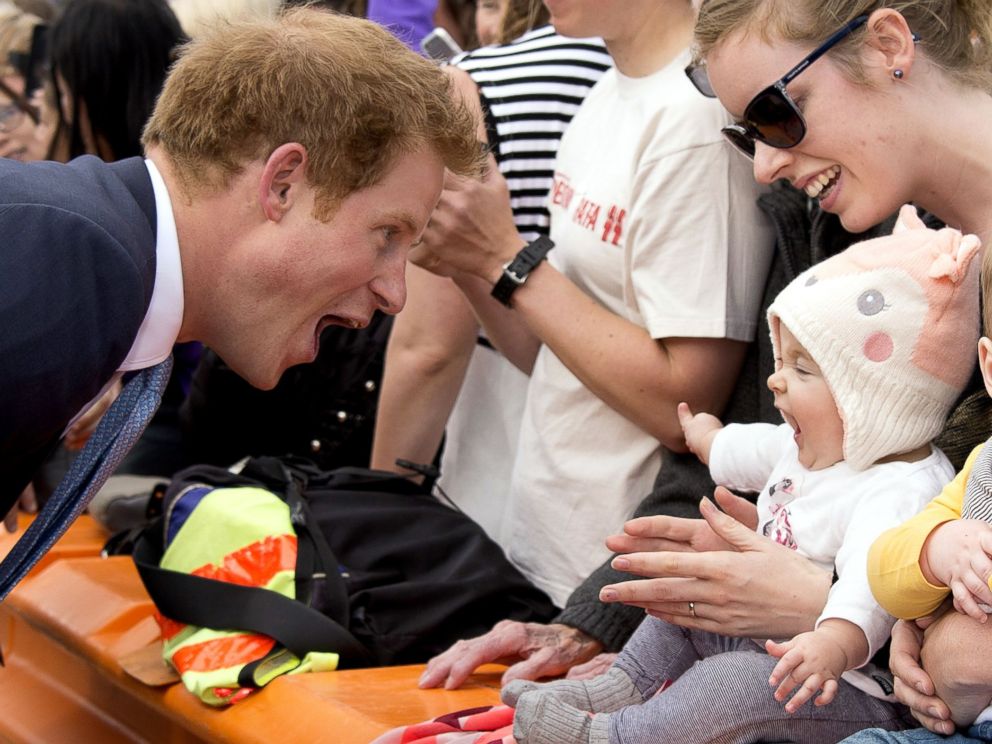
[(977, 734)]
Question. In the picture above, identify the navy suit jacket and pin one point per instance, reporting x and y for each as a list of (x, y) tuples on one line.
[(77, 269)]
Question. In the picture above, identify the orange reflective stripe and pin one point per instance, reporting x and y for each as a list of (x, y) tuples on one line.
[(221, 653), (255, 564), (168, 627)]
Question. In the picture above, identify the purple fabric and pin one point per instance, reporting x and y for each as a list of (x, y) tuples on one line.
[(181, 509), (408, 20)]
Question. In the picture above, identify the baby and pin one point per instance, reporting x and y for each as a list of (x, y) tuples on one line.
[(872, 350)]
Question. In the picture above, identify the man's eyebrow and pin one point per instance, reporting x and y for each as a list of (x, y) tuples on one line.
[(404, 217)]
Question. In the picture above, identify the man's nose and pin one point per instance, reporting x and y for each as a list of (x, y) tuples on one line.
[(390, 287)]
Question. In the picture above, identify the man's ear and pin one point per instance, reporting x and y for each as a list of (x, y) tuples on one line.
[(283, 177), (985, 361), (890, 38)]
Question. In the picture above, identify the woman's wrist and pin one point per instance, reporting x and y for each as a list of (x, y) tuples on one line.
[(508, 250)]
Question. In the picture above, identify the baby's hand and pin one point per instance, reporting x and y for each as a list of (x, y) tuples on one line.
[(699, 430), (957, 555), (814, 661)]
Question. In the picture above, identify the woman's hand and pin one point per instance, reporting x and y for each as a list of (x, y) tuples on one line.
[(913, 686), (680, 535), (471, 229), (750, 586)]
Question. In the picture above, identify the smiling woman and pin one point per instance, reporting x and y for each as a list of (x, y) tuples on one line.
[(896, 78)]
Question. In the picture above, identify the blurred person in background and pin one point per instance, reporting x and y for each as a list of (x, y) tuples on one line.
[(19, 117), (196, 16)]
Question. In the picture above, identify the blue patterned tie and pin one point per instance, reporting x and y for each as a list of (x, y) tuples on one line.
[(119, 429)]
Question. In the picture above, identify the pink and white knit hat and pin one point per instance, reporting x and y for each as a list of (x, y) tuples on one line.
[(893, 324)]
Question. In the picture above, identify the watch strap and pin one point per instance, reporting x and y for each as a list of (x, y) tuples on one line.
[(515, 272)]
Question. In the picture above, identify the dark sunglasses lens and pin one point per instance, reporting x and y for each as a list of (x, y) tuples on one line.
[(776, 119), (740, 139), (698, 77)]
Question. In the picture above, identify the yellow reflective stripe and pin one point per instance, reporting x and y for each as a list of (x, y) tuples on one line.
[(225, 520)]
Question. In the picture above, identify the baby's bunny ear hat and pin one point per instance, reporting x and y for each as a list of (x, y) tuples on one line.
[(893, 324)]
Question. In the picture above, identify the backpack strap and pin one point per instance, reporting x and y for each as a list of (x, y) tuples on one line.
[(218, 604)]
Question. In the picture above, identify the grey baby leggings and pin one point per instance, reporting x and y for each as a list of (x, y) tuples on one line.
[(720, 695)]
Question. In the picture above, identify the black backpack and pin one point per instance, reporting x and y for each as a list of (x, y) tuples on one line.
[(385, 573)]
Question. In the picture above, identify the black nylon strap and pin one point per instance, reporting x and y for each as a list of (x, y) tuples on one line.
[(516, 272), (224, 606)]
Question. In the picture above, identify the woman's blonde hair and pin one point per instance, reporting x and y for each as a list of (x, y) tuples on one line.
[(343, 87), (520, 17), (956, 35), (16, 30)]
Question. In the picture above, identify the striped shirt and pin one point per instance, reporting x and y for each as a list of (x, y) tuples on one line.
[(530, 89)]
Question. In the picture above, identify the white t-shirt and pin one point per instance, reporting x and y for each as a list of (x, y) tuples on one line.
[(654, 216), (831, 516)]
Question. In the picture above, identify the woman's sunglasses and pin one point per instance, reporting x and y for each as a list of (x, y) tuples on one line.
[(772, 116)]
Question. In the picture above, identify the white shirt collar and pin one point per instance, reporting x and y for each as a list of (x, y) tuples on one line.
[(164, 318)]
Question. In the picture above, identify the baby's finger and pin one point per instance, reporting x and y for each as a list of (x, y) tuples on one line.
[(780, 672), (829, 692), (803, 694), (978, 589), (786, 686), (985, 541), (965, 603), (978, 582), (778, 650), (685, 414)]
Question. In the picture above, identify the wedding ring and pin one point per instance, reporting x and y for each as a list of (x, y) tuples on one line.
[(692, 609)]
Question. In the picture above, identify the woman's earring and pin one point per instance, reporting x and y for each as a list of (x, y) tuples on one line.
[(897, 74)]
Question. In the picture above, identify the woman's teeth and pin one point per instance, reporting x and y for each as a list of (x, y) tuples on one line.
[(821, 185)]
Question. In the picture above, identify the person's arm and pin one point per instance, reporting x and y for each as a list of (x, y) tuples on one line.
[(512, 337), (429, 349), (894, 571), (642, 378)]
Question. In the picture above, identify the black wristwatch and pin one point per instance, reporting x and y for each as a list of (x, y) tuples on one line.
[(516, 271)]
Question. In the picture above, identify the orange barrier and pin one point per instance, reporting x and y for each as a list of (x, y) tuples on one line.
[(84, 538), (65, 631)]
